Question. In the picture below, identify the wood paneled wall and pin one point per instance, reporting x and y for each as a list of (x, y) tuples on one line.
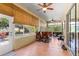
[(20, 16)]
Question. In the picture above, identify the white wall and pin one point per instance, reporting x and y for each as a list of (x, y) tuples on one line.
[(42, 25)]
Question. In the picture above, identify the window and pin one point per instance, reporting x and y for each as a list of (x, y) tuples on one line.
[(19, 29), (24, 29), (55, 27)]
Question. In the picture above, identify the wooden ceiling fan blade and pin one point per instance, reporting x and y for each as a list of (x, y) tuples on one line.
[(50, 8), (40, 5), (49, 4)]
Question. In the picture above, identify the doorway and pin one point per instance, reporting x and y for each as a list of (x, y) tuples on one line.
[(6, 34)]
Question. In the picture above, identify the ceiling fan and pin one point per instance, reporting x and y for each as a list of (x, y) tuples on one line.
[(45, 6), (51, 21)]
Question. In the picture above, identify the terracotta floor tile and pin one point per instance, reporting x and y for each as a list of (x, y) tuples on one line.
[(43, 49)]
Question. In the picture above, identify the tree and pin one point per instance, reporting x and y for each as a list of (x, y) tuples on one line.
[(55, 28), (4, 23)]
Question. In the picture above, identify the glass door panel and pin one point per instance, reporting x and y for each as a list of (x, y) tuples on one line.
[(68, 30), (73, 31), (77, 27)]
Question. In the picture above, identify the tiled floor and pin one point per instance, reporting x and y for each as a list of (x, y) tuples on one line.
[(9, 54), (43, 49)]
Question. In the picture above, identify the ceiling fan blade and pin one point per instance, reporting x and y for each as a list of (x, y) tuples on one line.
[(50, 8), (44, 5), (40, 5), (49, 4)]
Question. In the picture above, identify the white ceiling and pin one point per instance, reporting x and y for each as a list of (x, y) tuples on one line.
[(55, 14)]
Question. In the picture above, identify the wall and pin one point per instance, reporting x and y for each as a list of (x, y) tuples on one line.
[(43, 25), (23, 41)]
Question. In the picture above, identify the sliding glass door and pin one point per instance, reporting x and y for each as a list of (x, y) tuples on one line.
[(78, 27), (71, 29), (68, 30)]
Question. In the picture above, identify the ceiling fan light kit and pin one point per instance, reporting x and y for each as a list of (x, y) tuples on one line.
[(44, 9)]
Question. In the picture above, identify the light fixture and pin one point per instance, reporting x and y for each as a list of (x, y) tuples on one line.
[(44, 9)]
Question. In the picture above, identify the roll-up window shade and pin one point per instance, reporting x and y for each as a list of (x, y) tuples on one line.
[(4, 9)]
